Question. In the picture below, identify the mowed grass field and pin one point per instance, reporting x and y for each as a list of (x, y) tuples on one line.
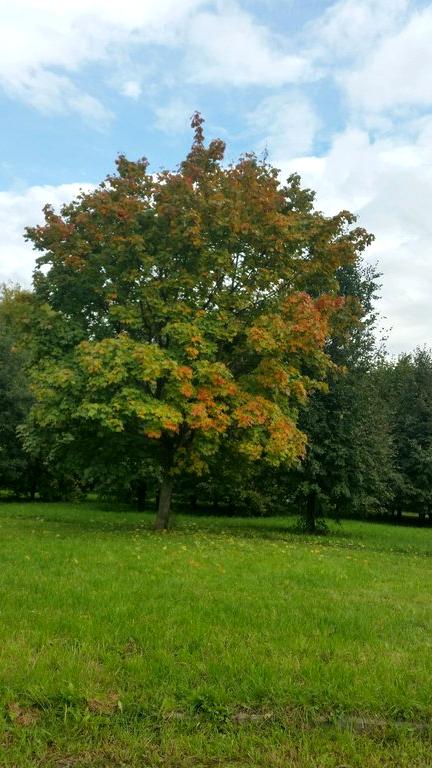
[(225, 642)]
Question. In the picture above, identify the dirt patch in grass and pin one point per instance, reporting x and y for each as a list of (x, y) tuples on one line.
[(23, 716), (108, 705)]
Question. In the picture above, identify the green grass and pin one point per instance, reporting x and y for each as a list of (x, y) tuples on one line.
[(226, 642)]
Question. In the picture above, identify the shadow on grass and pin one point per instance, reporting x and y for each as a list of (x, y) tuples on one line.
[(104, 518), (87, 518)]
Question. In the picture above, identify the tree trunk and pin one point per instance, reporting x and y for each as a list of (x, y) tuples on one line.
[(33, 487), (141, 494), (311, 513), (164, 508)]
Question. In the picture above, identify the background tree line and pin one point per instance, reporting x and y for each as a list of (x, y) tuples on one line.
[(208, 333)]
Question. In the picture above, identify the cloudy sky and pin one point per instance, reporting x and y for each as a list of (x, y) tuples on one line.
[(339, 91)]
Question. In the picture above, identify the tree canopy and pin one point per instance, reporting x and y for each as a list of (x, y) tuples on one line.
[(182, 309), (15, 397), (407, 385)]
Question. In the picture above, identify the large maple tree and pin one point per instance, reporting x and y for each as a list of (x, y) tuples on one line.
[(186, 308)]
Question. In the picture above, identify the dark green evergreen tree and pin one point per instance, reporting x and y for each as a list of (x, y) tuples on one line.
[(15, 398), (408, 387), (349, 464)]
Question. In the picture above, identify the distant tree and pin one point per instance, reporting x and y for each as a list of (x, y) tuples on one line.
[(348, 468), (183, 308), (26, 468), (408, 387), (233, 485), (15, 397)]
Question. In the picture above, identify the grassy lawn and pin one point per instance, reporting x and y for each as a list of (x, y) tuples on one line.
[(225, 642)]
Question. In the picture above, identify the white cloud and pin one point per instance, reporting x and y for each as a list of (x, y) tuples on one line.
[(287, 124), (44, 44), (379, 52), (19, 210), (229, 47), (131, 89), (349, 28), (398, 73), (174, 117), (53, 93), (389, 185)]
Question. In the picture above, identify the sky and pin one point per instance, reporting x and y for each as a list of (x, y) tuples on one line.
[(340, 92)]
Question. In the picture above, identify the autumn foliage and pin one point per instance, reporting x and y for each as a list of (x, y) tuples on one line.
[(186, 309)]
